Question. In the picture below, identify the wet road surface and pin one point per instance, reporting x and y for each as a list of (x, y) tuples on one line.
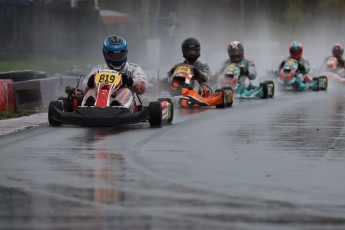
[(263, 164)]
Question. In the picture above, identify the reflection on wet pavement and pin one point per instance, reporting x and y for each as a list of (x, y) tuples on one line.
[(278, 168)]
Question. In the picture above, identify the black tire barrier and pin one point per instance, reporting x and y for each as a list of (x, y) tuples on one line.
[(23, 75), (27, 94), (39, 92)]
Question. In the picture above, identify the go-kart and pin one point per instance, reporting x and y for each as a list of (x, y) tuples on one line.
[(231, 78), (331, 71), (289, 78), (104, 110), (184, 95)]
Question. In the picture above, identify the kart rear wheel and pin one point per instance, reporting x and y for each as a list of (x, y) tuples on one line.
[(229, 95), (51, 112), (270, 85), (323, 83), (155, 111), (264, 90), (220, 106), (171, 108)]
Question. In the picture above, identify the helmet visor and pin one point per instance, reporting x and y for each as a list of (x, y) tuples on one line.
[(295, 51), (337, 52), (116, 56), (192, 51), (236, 57)]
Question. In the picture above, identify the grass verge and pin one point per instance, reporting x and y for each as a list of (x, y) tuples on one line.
[(50, 66), (26, 112)]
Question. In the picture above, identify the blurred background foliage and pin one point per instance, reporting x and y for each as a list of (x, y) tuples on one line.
[(40, 33)]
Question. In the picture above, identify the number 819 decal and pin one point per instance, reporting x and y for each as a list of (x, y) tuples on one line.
[(105, 78)]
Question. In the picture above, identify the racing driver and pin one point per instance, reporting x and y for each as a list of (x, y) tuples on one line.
[(133, 77), (191, 53), (247, 66)]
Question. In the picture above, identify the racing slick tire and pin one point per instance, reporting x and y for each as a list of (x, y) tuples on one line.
[(323, 83), (155, 111), (171, 108), (270, 85), (51, 112), (229, 96), (264, 90), (220, 106)]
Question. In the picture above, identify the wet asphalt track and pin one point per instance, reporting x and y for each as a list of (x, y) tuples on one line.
[(263, 164)]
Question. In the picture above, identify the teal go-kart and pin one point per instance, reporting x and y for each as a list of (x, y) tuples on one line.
[(231, 78), (290, 79)]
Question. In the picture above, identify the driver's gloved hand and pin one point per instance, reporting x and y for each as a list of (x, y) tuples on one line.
[(244, 70), (128, 81), (196, 73), (301, 67), (91, 81)]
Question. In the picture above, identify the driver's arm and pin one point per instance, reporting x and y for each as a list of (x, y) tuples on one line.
[(139, 78), (251, 70), (341, 62), (304, 65), (204, 72), (89, 82)]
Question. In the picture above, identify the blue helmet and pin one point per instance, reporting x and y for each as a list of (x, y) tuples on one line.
[(115, 51)]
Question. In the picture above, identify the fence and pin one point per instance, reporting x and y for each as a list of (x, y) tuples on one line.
[(28, 30)]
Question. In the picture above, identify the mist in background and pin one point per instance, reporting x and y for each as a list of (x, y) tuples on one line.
[(155, 29)]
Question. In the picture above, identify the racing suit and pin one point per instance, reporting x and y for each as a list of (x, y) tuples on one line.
[(303, 68), (125, 94), (248, 71), (202, 73)]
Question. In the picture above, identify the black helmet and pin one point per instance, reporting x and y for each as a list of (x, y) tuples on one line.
[(115, 51), (235, 51), (337, 50), (191, 49)]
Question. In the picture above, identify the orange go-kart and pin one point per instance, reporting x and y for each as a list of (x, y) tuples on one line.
[(184, 95)]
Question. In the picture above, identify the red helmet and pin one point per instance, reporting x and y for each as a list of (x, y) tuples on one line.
[(296, 50), (337, 50)]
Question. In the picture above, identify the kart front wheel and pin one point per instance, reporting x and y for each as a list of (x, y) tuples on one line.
[(270, 89), (229, 96), (323, 83), (264, 87), (170, 109), (155, 111), (51, 112), (315, 84)]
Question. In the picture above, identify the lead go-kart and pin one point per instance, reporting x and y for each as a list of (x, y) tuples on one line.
[(184, 95), (104, 109), (290, 79), (331, 71), (231, 77)]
